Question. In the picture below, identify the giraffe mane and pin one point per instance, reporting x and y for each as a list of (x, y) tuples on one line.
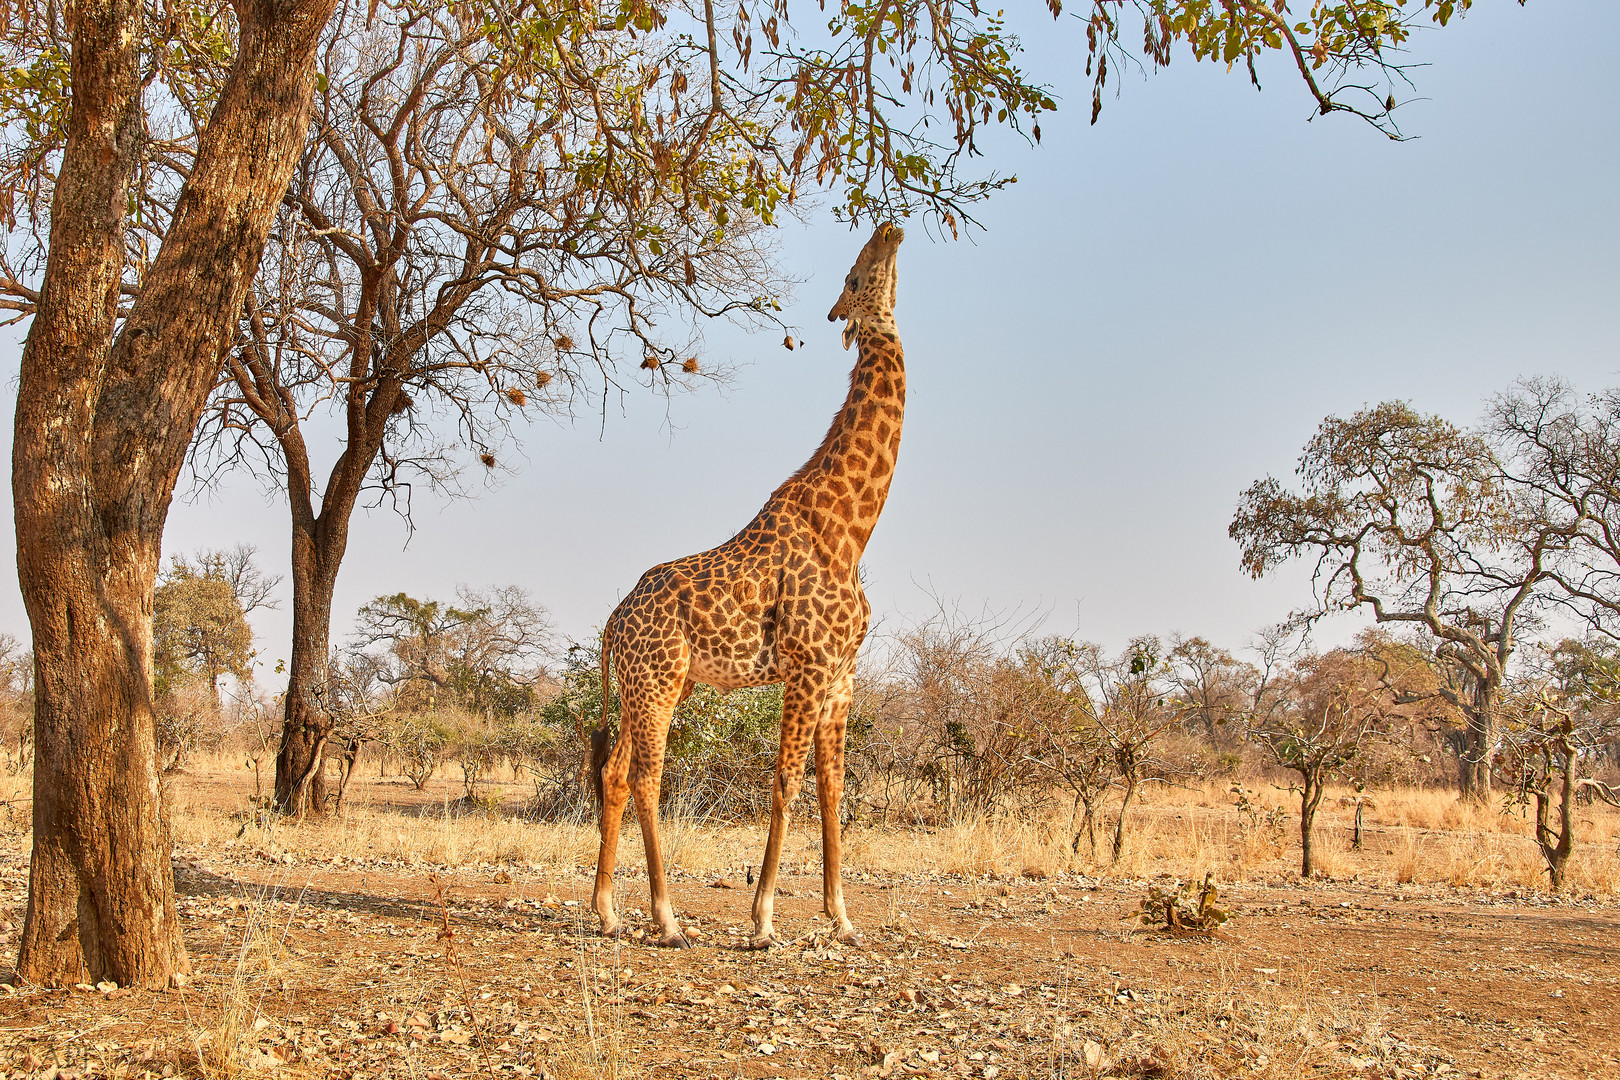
[(832, 432)]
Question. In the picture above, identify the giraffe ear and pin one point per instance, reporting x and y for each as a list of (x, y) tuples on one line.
[(851, 325)]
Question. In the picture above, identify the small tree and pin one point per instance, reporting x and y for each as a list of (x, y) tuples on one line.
[(199, 630), (1214, 686), (1132, 706), (1558, 714), (1322, 711), (418, 741), (482, 653), (1070, 746)]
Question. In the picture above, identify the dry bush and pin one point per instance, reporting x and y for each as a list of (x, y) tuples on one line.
[(188, 720)]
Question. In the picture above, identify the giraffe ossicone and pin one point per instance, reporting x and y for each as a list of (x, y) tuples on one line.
[(779, 602)]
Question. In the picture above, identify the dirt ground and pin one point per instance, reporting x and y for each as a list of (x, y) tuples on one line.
[(339, 967)]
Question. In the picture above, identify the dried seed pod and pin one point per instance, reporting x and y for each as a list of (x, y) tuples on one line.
[(690, 365), (564, 343), (488, 460), (541, 379), (788, 342), (650, 364), (517, 397), (402, 404)]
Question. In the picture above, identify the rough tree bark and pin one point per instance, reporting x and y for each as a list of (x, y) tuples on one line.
[(102, 425), (1477, 760)]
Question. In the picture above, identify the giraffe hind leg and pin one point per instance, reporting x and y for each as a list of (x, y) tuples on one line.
[(614, 787), (801, 706), (645, 775), (829, 794)]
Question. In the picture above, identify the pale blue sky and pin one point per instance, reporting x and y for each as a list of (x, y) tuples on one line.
[(1161, 311)]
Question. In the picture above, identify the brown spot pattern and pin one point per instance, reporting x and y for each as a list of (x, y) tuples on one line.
[(780, 601)]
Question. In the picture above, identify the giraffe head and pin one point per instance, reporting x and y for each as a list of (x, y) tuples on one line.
[(869, 288)]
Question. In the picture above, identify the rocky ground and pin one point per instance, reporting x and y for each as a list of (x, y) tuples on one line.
[(350, 967)]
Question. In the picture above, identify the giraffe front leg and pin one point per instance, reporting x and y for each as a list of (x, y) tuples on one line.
[(801, 703), (829, 794)]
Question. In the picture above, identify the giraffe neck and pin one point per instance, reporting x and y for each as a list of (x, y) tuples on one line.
[(846, 481)]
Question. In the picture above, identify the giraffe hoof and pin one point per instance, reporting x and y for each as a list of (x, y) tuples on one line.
[(764, 941), (849, 937), (674, 940), (617, 931)]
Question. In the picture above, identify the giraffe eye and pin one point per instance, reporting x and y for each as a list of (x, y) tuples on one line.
[(853, 282)]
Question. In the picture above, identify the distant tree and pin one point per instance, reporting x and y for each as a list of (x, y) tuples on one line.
[(199, 629), (1407, 517), (1561, 461), (239, 568), (1323, 710), (967, 698), (1426, 689), (199, 634), (418, 741), (1133, 704), (16, 701), (1213, 685), (1070, 745), (482, 654), (1559, 712)]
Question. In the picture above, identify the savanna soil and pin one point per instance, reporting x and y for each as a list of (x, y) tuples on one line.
[(336, 963)]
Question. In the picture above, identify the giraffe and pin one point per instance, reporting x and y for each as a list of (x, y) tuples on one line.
[(779, 602)]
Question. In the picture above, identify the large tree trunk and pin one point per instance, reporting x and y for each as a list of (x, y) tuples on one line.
[(300, 770), (1477, 759), (319, 542), (102, 427)]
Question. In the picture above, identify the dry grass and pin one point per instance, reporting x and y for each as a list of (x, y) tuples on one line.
[(226, 1027), (1413, 835)]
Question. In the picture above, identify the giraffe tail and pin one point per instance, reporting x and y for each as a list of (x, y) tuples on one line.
[(601, 745)]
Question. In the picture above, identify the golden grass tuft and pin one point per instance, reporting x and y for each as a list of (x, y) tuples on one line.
[(1413, 837)]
